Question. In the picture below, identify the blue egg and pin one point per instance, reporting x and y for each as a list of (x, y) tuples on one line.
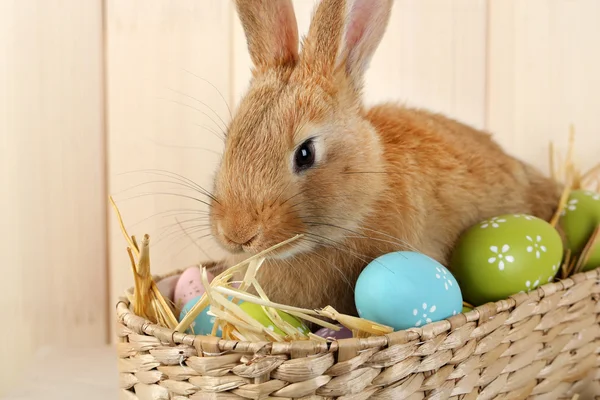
[(406, 289), (203, 323)]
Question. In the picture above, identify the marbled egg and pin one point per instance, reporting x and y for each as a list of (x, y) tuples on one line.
[(406, 289), (203, 323), (189, 286), (256, 312), (343, 333), (579, 219), (505, 255)]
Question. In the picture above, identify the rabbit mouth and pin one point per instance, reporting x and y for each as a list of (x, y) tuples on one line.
[(259, 245)]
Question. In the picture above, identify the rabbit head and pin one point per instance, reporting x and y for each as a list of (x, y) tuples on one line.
[(299, 156)]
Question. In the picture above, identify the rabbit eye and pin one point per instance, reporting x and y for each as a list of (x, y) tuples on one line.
[(305, 156)]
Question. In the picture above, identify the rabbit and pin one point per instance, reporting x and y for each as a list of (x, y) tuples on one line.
[(303, 155)]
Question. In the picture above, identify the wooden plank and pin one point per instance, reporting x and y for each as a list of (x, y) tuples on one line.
[(543, 76), (52, 235), (168, 64), (432, 56)]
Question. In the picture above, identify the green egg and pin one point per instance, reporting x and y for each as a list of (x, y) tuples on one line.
[(466, 309), (580, 217), (505, 255), (256, 312)]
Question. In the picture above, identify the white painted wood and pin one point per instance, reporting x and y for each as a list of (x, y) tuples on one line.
[(52, 235), (543, 76), (163, 59), (432, 56)]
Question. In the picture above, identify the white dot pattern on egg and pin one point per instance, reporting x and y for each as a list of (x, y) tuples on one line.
[(531, 286), (442, 274)]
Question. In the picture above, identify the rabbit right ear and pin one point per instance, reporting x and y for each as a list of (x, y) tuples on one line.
[(271, 31), (343, 36)]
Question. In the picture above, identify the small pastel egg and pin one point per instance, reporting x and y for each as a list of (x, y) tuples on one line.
[(256, 312), (406, 289), (343, 333), (189, 286), (505, 255), (579, 219), (166, 286), (203, 323)]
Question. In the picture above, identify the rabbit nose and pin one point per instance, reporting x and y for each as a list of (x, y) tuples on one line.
[(240, 237), (242, 240)]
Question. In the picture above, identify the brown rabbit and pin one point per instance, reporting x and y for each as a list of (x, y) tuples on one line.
[(303, 155)]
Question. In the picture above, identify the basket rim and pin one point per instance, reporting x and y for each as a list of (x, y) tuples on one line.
[(213, 346)]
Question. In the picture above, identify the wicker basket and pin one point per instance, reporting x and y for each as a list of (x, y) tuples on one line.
[(540, 345)]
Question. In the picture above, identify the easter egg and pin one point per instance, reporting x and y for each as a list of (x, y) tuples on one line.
[(256, 312), (579, 219), (505, 255), (466, 309), (189, 286), (203, 323), (406, 289), (343, 333)]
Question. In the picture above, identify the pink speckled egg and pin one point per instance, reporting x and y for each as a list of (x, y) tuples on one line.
[(166, 286), (189, 286), (326, 333)]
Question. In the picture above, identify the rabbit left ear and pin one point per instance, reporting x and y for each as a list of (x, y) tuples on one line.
[(271, 31), (345, 34)]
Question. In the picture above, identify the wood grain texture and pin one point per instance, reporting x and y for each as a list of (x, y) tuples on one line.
[(432, 55), (52, 234), (543, 76), (168, 65)]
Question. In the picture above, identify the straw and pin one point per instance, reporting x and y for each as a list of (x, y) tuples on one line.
[(573, 179), (148, 302)]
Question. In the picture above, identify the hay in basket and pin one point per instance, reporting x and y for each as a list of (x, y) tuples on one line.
[(544, 344)]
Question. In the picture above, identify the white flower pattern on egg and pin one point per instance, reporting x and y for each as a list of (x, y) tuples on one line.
[(593, 195), (527, 217), (500, 255), (570, 206), (442, 274), (424, 317), (551, 277), (494, 223), (530, 287), (536, 245)]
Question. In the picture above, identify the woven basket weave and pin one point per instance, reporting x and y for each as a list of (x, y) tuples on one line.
[(541, 345)]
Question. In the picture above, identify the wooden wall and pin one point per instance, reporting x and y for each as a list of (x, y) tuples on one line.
[(53, 255), (118, 96)]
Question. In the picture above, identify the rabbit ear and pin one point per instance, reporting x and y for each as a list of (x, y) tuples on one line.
[(271, 31), (344, 35)]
